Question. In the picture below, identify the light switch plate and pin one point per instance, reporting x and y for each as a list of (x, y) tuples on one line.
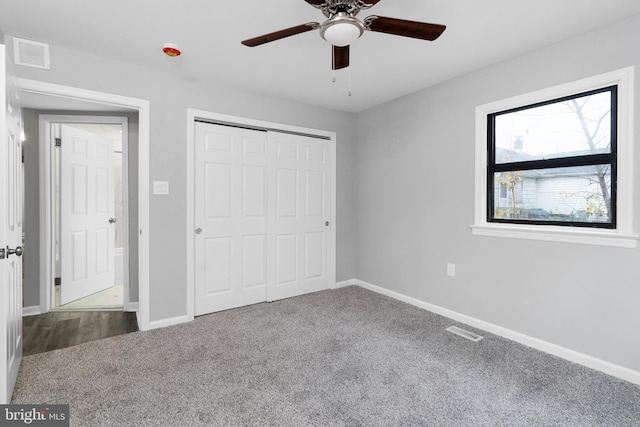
[(160, 187)]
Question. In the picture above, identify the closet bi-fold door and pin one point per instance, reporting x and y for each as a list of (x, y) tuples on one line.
[(230, 216), (299, 226)]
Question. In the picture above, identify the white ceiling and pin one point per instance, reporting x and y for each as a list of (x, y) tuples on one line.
[(383, 67)]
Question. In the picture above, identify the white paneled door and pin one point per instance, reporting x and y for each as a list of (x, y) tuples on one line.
[(262, 207), (299, 215), (10, 235), (87, 226), (231, 216)]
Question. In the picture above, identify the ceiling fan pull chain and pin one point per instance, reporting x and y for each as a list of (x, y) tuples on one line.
[(349, 81)]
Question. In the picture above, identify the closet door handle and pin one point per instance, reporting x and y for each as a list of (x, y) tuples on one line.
[(17, 251)]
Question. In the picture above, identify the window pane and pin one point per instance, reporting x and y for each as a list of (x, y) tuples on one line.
[(574, 127), (576, 194)]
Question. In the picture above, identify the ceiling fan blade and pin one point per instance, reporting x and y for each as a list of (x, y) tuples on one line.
[(340, 57), (401, 27), (277, 35), (316, 2)]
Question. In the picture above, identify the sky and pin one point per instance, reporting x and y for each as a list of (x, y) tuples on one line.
[(555, 128)]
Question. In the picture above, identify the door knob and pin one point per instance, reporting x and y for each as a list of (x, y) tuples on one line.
[(198, 230), (326, 223), (17, 251), (112, 220)]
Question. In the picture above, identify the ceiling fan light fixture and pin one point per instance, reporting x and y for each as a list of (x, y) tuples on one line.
[(342, 29)]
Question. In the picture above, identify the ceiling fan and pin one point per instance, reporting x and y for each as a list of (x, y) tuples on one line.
[(343, 28)]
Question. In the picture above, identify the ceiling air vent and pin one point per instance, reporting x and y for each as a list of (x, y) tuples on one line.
[(466, 334), (30, 53)]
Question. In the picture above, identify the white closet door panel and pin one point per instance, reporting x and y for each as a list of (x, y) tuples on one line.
[(254, 188), (218, 190), (286, 197), (231, 210), (315, 256), (315, 194), (286, 259), (299, 215), (218, 265), (254, 259)]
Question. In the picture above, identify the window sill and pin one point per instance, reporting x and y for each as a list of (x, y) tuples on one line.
[(558, 234)]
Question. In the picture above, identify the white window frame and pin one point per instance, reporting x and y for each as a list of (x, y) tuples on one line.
[(623, 235)]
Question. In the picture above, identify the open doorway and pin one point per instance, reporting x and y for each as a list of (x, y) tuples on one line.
[(86, 319), (89, 177), (48, 98)]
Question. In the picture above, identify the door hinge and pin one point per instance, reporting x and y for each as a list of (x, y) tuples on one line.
[(1, 253), (58, 142)]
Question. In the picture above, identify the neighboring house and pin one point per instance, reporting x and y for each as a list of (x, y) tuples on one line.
[(550, 194)]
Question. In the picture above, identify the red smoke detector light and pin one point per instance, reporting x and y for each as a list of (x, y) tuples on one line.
[(171, 50)]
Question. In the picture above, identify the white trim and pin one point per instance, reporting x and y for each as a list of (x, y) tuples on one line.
[(143, 108), (195, 114), (133, 307), (346, 283), (538, 344), (47, 184), (34, 310), (190, 209), (47, 243), (557, 234), (624, 235), (163, 323), (334, 213)]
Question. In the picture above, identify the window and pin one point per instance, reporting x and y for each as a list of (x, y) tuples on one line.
[(557, 164), (551, 163)]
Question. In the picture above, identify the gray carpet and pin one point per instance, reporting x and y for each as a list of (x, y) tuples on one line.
[(342, 357)]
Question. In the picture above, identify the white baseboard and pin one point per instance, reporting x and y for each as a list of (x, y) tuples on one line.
[(132, 306), (164, 322), (346, 283), (34, 310), (547, 347)]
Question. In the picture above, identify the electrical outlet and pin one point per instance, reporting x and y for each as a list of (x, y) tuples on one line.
[(160, 187), (451, 269)]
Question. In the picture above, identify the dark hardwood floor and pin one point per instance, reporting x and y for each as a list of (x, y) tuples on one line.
[(60, 329)]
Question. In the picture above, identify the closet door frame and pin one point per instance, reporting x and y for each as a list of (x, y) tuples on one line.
[(194, 115)]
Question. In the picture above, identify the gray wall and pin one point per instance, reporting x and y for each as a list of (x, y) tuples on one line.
[(32, 200), (414, 193), (170, 96)]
